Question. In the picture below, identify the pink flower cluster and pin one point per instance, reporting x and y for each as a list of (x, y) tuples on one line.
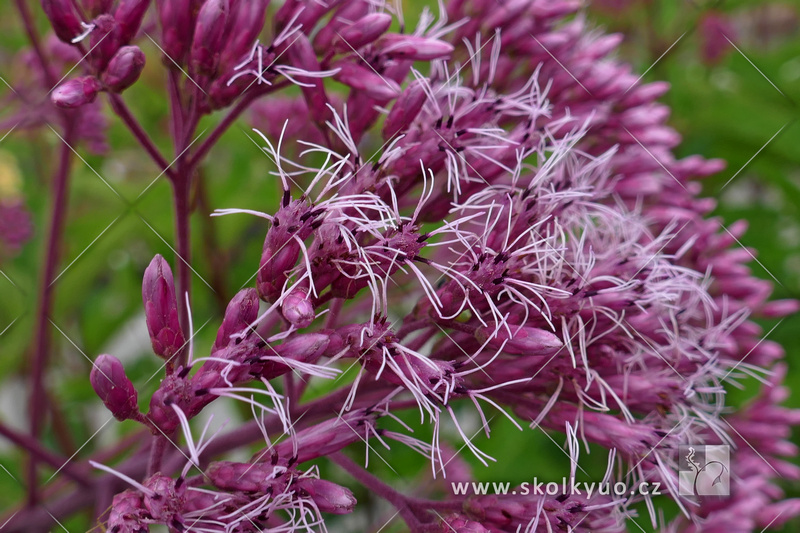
[(482, 218)]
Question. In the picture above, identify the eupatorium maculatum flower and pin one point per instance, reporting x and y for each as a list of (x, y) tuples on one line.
[(482, 218)]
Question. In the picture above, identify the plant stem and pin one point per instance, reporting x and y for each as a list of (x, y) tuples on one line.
[(33, 446), (36, 519), (41, 339), (156, 454), (33, 37), (375, 485), (181, 191), (123, 112), (229, 119)]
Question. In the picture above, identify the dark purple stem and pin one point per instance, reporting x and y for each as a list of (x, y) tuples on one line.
[(181, 187), (156, 454), (71, 470), (229, 119), (41, 339), (33, 37), (124, 113)]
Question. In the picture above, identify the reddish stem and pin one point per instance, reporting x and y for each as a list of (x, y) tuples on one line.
[(33, 447), (229, 119), (41, 339), (181, 187), (33, 37), (124, 113)]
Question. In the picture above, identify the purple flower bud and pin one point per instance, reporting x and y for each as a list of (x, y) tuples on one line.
[(306, 348), (297, 308), (377, 87), (76, 92), (271, 275), (404, 110), (348, 12), (245, 477), (64, 19), (209, 31), (240, 313), (161, 308), (507, 13), (780, 308), (109, 381), (124, 68), (302, 55), (363, 31), (245, 22), (328, 496), (413, 47), (129, 15), (176, 29), (523, 340), (329, 436), (302, 13), (102, 41), (286, 13)]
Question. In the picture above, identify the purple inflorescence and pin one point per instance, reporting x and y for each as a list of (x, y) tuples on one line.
[(481, 218)]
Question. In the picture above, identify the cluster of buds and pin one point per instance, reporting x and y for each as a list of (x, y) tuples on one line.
[(115, 63)]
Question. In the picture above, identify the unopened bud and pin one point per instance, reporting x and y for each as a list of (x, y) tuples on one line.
[(375, 86), (328, 496), (209, 31), (297, 308), (404, 110), (124, 68), (64, 19), (129, 15), (302, 55), (414, 48), (76, 92), (306, 348), (286, 13), (363, 31), (274, 266), (109, 381), (240, 313), (161, 308), (176, 29), (245, 23), (343, 18), (327, 437), (101, 41), (780, 308), (523, 340)]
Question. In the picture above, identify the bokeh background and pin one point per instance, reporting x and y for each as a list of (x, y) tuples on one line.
[(734, 69)]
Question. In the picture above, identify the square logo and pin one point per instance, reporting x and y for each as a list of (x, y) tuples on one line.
[(704, 470)]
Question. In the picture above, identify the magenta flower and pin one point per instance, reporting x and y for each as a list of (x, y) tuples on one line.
[(481, 218)]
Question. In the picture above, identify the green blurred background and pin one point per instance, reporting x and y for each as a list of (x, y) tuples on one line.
[(736, 104)]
